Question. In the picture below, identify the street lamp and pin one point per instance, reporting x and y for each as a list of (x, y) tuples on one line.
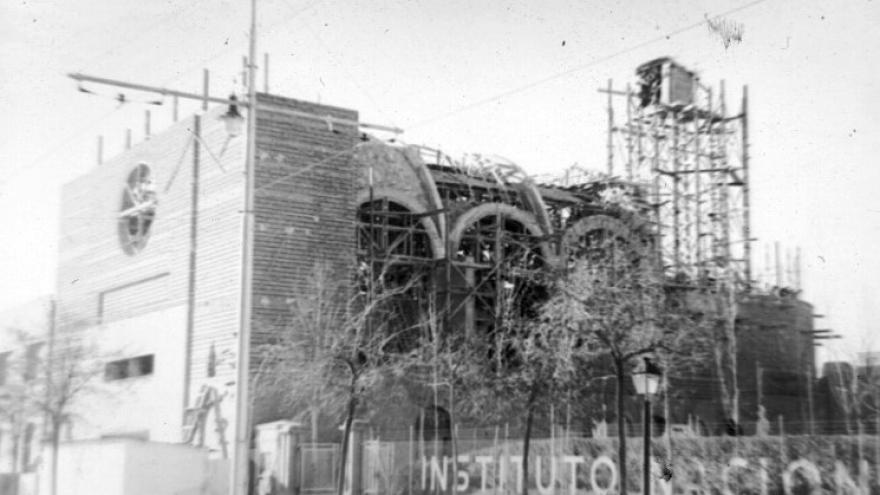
[(646, 383), (233, 118)]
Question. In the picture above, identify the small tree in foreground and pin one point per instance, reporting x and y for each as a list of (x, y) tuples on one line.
[(17, 387), (725, 349), (69, 374), (54, 371), (335, 349), (539, 369), (611, 301), (524, 361)]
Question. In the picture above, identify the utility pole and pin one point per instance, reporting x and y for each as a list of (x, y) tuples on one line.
[(239, 485), (240, 468)]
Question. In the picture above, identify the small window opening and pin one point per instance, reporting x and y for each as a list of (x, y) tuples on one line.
[(129, 368)]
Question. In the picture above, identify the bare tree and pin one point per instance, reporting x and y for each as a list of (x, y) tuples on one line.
[(336, 349), (290, 362), (443, 360), (524, 362), (724, 326), (538, 367), (45, 377), (611, 300), (17, 386), (52, 374), (67, 376)]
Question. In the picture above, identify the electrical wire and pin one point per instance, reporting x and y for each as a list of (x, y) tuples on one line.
[(351, 77), (578, 68), (177, 13), (121, 97), (227, 49), (311, 166), (9, 176)]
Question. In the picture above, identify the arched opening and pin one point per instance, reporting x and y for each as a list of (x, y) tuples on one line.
[(389, 229), (500, 257), (434, 423), (601, 239), (394, 254)]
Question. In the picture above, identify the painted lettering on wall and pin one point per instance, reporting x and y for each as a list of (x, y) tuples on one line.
[(571, 474)]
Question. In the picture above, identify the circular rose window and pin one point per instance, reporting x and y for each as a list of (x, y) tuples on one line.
[(138, 209)]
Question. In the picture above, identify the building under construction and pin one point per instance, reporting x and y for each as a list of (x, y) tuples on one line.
[(154, 245)]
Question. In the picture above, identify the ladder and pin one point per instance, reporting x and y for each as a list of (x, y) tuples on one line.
[(195, 419)]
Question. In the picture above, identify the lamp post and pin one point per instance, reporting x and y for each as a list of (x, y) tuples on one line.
[(233, 119), (646, 383)]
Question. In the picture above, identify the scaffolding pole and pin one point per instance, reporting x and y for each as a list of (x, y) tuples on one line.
[(686, 154), (747, 239), (610, 130)]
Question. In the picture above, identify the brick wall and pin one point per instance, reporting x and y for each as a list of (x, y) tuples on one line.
[(304, 207)]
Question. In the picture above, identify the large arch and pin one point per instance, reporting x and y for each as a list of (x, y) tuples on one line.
[(525, 218), (396, 249), (618, 228), (592, 223), (412, 156), (496, 247), (438, 247), (399, 169)]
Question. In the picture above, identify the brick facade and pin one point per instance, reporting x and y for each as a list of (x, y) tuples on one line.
[(304, 196)]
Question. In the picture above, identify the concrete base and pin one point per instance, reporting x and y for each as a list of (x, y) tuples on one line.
[(132, 467)]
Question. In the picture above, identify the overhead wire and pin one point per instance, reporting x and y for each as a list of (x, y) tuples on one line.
[(141, 34), (9, 176), (464, 108), (591, 63), (311, 166), (453, 112), (225, 50), (352, 78), (122, 98)]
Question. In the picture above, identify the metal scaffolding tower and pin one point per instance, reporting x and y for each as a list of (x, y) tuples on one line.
[(679, 141)]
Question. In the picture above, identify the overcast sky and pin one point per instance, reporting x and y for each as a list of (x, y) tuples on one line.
[(516, 79)]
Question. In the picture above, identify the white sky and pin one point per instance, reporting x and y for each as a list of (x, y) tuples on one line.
[(810, 66)]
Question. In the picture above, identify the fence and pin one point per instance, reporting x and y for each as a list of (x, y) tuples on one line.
[(484, 463), (318, 467), (571, 466)]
